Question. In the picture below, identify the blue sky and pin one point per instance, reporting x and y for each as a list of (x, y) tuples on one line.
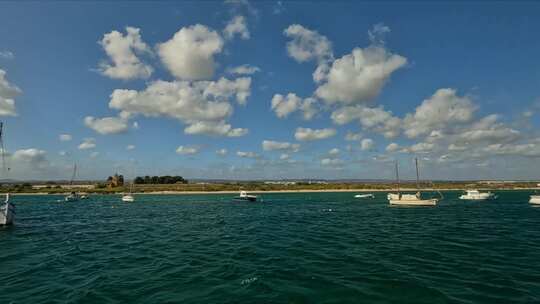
[(455, 85)]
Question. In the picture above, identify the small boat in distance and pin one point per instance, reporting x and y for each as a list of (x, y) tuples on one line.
[(128, 198), (475, 195), (410, 199), (7, 212), (535, 199), (73, 196), (245, 197), (368, 195)]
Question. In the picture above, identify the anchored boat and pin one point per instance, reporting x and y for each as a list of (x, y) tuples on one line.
[(369, 195), (535, 199), (410, 199), (244, 196), (475, 195), (7, 212)]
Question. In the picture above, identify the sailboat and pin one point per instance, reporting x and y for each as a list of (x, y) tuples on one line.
[(7, 212), (410, 199), (128, 198), (73, 196)]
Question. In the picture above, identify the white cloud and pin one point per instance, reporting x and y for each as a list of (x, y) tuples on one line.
[(247, 154), (353, 136), (376, 34), (244, 69), (106, 125), (187, 150), (331, 162), (526, 149), (8, 92), (221, 152), (488, 129), (285, 105), (367, 144), (122, 51), (421, 147), (94, 154), (358, 77), (135, 125), (371, 119), (237, 25), (284, 156), (454, 147), (307, 134), (333, 152), (65, 137), (34, 158), (392, 147), (307, 45), (130, 147), (203, 105), (88, 143), (445, 108), (270, 145), (7, 55), (190, 53), (214, 129)]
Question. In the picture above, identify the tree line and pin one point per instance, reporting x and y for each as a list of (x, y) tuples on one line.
[(166, 179)]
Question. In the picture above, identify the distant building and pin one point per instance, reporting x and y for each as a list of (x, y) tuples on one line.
[(115, 181)]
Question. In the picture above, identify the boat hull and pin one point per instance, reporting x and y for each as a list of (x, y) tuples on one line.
[(7, 214), (535, 199), (417, 202), (245, 199), (128, 199), (364, 196)]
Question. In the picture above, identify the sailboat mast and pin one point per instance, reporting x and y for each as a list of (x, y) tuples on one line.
[(397, 177), (417, 175), (74, 174)]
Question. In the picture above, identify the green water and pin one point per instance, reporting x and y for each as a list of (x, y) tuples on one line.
[(293, 248)]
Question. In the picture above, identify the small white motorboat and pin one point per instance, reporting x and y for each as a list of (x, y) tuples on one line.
[(72, 197), (368, 195), (475, 195), (128, 198), (245, 197), (7, 212), (535, 199)]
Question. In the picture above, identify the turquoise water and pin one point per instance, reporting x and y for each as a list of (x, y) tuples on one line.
[(293, 248)]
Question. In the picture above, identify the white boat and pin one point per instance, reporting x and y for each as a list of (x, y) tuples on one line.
[(535, 199), (369, 195), (73, 196), (475, 195), (7, 212), (128, 198), (244, 196), (410, 199)]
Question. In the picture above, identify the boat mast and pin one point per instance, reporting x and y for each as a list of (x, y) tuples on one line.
[(2, 145), (397, 177), (74, 174), (417, 175)]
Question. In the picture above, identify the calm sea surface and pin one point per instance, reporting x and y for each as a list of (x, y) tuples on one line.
[(293, 248)]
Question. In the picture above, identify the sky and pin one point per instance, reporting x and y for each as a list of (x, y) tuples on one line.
[(270, 90)]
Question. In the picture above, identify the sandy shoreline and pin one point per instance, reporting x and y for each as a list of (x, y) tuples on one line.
[(283, 191)]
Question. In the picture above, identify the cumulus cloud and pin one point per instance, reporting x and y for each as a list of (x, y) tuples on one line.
[(187, 150), (331, 162), (247, 154), (122, 51), (190, 53), (307, 45), (7, 55), (203, 105), (270, 145), (333, 152), (307, 134), (130, 147), (367, 144), (488, 129), (371, 119), (285, 105), (244, 69), (358, 77), (65, 137), (88, 143), (284, 156), (94, 154), (392, 147), (445, 108), (377, 33), (34, 158), (8, 92), (106, 125), (221, 152), (236, 26), (353, 136), (421, 147)]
